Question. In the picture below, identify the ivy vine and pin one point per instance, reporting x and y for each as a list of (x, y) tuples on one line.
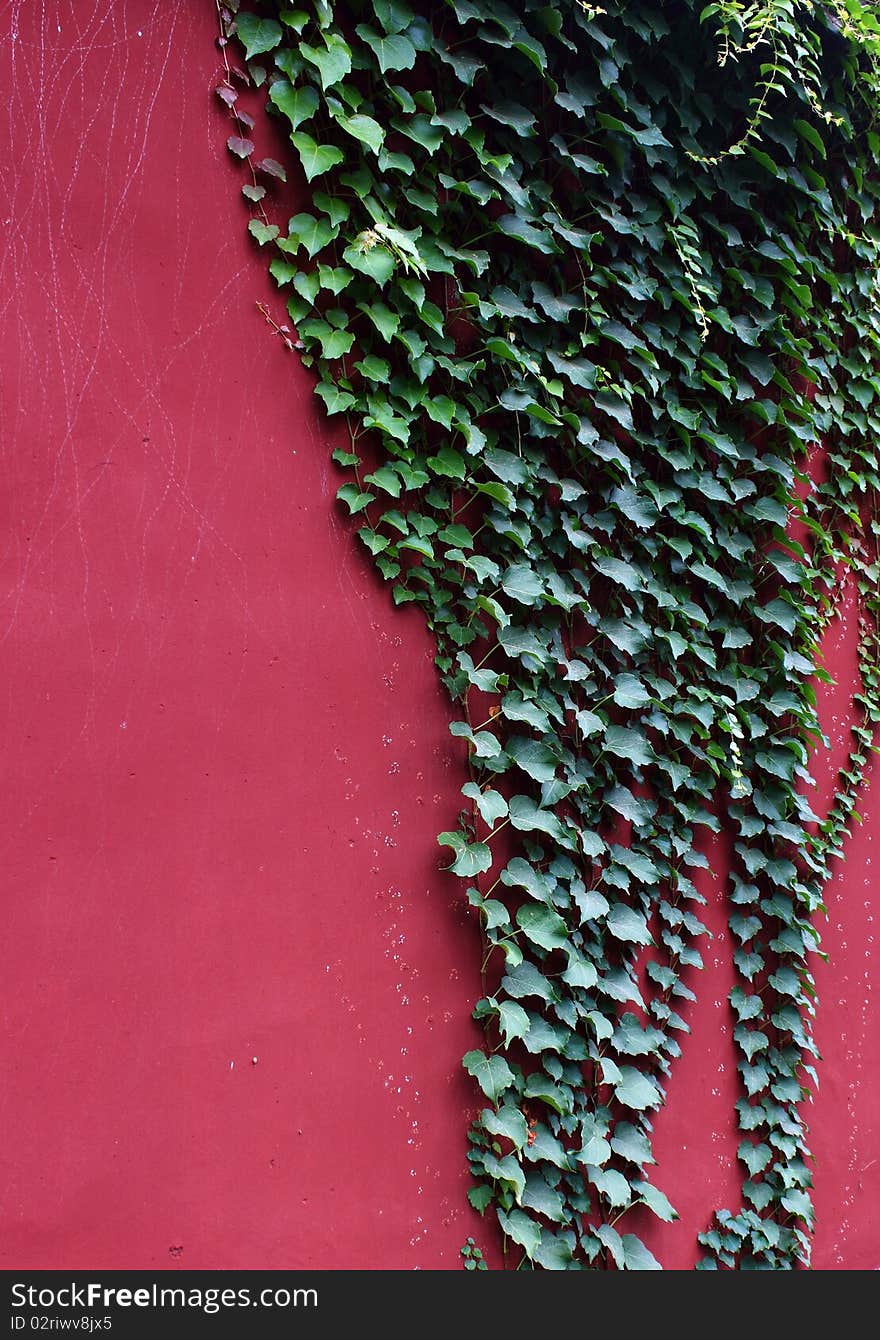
[(590, 285)]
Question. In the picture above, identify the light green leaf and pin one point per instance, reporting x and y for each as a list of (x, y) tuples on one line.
[(580, 972), (656, 1201), (632, 1144), (336, 401), (625, 923), (522, 584), (363, 128), (262, 232), (492, 1073), (636, 1255), (333, 59), (298, 104), (371, 259), (534, 758), (491, 804), (392, 51), (637, 1090), (306, 231), (611, 1185), (629, 691), (508, 1122), (522, 1229), (554, 1252), (610, 1238), (470, 858), (315, 158), (512, 1021), (542, 926), (623, 742), (257, 35), (543, 1199), (529, 817)]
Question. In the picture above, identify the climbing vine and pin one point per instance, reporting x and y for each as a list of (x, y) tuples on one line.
[(594, 289)]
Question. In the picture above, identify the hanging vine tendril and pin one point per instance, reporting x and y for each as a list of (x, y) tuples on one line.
[(594, 281)]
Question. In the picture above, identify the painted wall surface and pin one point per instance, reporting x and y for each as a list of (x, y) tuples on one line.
[(236, 984)]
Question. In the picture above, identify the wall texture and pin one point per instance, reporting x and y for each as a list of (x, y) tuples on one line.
[(237, 985)]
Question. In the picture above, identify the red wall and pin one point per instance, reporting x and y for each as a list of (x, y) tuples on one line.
[(237, 986)]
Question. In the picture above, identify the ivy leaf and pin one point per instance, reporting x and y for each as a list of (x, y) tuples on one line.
[(623, 573), (542, 926), (305, 230), (376, 370), (393, 15), (610, 1238), (239, 146), (470, 858), (755, 1157), (363, 128), (333, 59), (625, 923), (298, 104), (491, 804), (638, 509), (580, 972), (315, 158), (511, 114), (392, 51), (375, 261), (632, 1144), (480, 1197), (423, 132), (386, 322), (534, 758), (271, 168), (507, 1171), (528, 817), (610, 1184), (555, 1252), (496, 913), (517, 708), (262, 232), (525, 980), (508, 1122), (811, 135), (624, 742), (629, 691), (625, 637), (655, 1201), (522, 1230), (522, 584), (492, 1073), (511, 225), (512, 1021), (636, 1255), (637, 1090), (630, 1039), (590, 903), (543, 1199), (448, 462), (335, 400), (334, 343), (519, 874), (554, 1095), (257, 35)]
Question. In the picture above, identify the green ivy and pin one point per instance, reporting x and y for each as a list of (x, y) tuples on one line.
[(588, 284)]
